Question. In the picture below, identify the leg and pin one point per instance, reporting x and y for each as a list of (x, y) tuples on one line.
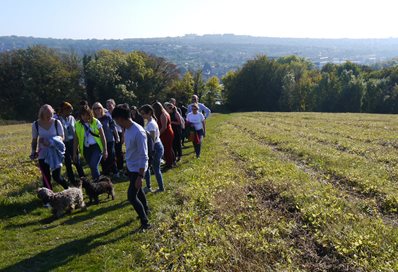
[(156, 164), (68, 161), (119, 153), (79, 167), (148, 178), (58, 178), (111, 164), (93, 156), (46, 175), (132, 195)]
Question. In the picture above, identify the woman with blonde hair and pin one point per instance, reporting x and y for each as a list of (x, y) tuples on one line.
[(44, 131), (90, 140), (111, 136)]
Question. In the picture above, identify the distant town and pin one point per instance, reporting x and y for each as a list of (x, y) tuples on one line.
[(215, 55)]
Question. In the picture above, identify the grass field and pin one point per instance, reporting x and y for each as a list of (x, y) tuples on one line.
[(271, 192)]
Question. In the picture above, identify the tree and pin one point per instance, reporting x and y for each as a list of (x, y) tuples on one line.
[(213, 92)]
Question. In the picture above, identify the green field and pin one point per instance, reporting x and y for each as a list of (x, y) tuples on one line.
[(271, 192)]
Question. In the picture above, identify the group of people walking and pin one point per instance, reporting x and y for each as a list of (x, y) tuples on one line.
[(151, 133)]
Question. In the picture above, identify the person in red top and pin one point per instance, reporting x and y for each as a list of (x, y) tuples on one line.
[(166, 133)]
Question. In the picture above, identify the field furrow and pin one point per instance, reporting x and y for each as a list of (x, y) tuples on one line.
[(363, 176), (338, 222)]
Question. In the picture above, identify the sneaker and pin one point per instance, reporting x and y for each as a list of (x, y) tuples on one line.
[(146, 226), (116, 175), (159, 191), (47, 205), (147, 190)]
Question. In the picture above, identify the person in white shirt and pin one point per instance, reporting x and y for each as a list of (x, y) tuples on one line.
[(136, 161), (201, 106), (68, 124), (147, 113), (196, 120)]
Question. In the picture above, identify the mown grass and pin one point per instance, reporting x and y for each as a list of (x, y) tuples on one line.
[(271, 192)]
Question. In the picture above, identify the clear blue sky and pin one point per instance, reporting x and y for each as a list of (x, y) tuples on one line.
[(116, 19)]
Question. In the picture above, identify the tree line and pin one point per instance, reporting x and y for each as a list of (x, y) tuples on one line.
[(37, 75), (293, 84)]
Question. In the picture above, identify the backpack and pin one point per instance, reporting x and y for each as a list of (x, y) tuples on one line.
[(56, 126)]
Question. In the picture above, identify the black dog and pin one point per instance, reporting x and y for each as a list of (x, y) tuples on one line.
[(102, 185)]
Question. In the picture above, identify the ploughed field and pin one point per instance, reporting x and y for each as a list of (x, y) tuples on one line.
[(271, 191)]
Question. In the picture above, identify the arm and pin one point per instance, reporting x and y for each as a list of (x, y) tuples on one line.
[(60, 129), (143, 158), (34, 154), (163, 121), (207, 111), (114, 130), (103, 140), (178, 120)]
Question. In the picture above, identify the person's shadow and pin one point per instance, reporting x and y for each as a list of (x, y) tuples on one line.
[(51, 259)]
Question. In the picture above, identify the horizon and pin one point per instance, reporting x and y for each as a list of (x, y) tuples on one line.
[(124, 19), (197, 35)]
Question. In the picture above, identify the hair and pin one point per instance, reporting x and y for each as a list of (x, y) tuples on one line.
[(121, 111), (65, 106), (83, 103), (43, 108), (158, 108), (111, 101), (195, 105), (85, 110), (196, 97), (173, 101), (147, 109), (134, 108), (99, 105)]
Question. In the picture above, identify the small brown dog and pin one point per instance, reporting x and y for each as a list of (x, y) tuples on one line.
[(101, 186)]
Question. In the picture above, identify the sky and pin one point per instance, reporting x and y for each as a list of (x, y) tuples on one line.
[(119, 19)]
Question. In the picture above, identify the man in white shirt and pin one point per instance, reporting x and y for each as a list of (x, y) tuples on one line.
[(136, 161), (202, 107)]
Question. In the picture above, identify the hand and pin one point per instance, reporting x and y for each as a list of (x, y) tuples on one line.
[(105, 155), (34, 155), (138, 183)]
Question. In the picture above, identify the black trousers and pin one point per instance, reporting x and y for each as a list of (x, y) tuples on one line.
[(177, 144), (69, 160), (119, 153), (56, 174), (137, 199)]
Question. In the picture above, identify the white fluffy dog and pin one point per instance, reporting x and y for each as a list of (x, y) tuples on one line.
[(67, 200)]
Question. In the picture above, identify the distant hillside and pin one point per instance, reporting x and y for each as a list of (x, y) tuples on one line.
[(217, 54)]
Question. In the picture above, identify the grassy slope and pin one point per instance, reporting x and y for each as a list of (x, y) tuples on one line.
[(271, 192)]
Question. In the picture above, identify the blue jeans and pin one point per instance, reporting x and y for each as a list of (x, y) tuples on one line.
[(159, 150), (93, 156)]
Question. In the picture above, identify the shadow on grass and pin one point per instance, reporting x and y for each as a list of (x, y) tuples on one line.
[(9, 210), (94, 213), (77, 216), (62, 254)]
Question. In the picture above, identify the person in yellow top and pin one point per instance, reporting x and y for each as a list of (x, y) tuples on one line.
[(90, 140)]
